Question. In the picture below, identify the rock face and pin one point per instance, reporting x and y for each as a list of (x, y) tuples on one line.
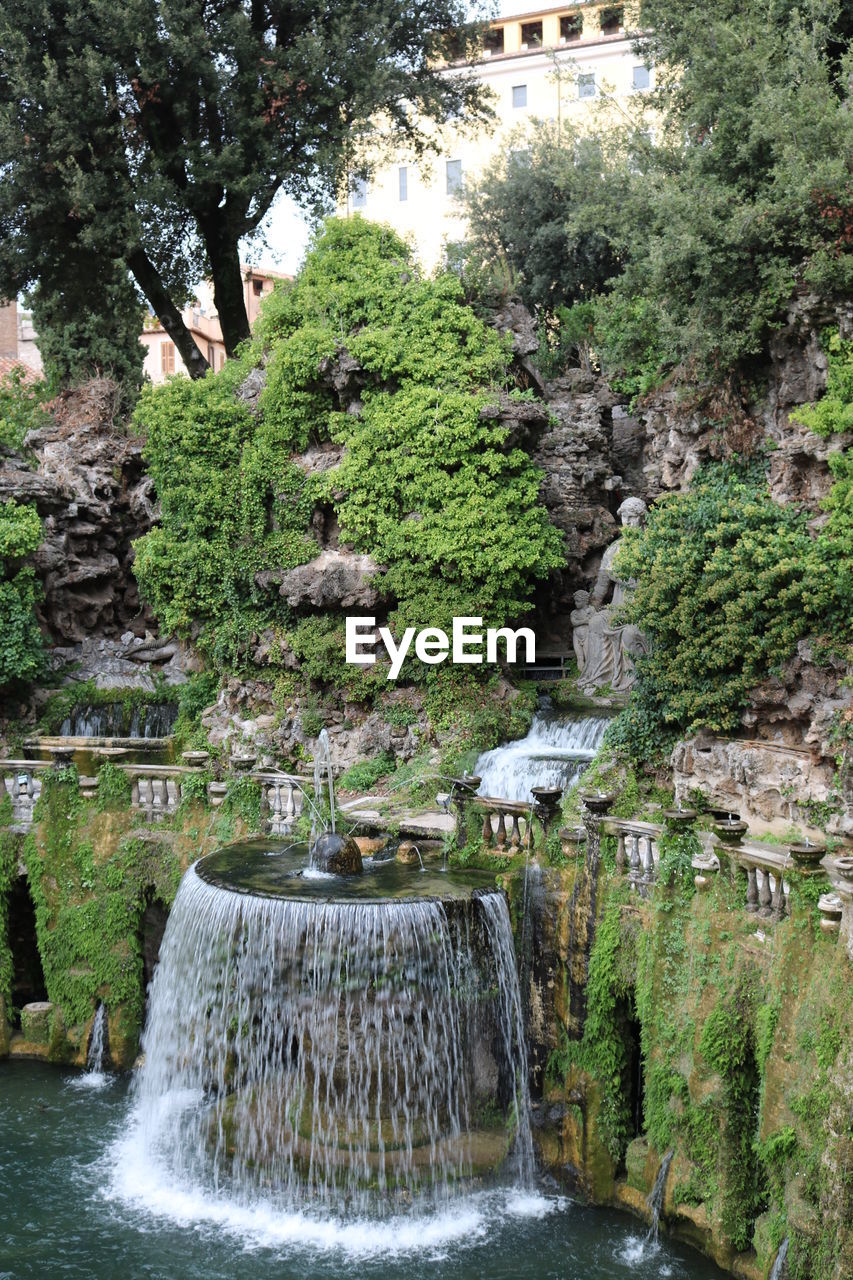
[(333, 580), (90, 488), (336, 855)]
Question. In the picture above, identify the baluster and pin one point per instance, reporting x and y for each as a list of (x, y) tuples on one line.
[(134, 793), (620, 852), (765, 897), (275, 805), (751, 889), (648, 862), (515, 834), (145, 794), (487, 830), (501, 830), (171, 795), (634, 859), (778, 906)]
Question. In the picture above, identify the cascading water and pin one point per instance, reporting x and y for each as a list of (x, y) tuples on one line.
[(554, 753), (149, 720), (655, 1199), (93, 1077), (334, 1055)]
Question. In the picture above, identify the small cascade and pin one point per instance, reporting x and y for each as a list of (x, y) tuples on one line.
[(655, 1199), (779, 1265), (554, 753), (146, 720), (94, 1076), (338, 1056)]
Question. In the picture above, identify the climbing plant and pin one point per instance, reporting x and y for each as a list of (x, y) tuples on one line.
[(21, 649)]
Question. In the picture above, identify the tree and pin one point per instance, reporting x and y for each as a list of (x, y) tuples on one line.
[(155, 136), (553, 206)]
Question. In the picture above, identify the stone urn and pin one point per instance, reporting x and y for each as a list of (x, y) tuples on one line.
[(679, 819), (730, 832), (720, 814), (195, 759), (337, 855), (598, 802), (844, 867), (807, 856), (467, 785), (572, 840), (546, 801), (61, 756), (243, 763)]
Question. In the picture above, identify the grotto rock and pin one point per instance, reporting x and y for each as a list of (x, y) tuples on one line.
[(333, 580), (89, 487)]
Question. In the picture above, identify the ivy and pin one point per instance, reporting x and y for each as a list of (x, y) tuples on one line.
[(21, 648)]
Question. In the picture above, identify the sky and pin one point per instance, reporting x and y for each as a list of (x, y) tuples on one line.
[(286, 230)]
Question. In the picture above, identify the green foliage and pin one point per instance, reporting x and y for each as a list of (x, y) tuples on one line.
[(179, 127), (428, 484), (833, 413), (89, 903), (552, 206), (9, 854), (364, 775), (243, 800), (114, 788), (21, 407), (728, 1045), (603, 1051), (21, 649), (727, 582)]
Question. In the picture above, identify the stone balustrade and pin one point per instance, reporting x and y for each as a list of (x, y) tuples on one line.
[(506, 823), (156, 791), (22, 784)]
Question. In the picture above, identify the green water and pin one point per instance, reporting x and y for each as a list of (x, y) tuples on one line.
[(73, 1205), (279, 869)]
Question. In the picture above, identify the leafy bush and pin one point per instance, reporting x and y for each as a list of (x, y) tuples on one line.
[(113, 788), (21, 649), (727, 582), (428, 484), (362, 776), (21, 407)]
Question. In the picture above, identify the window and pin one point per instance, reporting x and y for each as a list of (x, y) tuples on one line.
[(611, 21), (571, 27), (358, 192), (211, 355), (642, 77), (586, 85), (222, 359), (494, 41), (454, 177), (531, 35), (519, 95), (257, 287), (167, 357), (403, 177)]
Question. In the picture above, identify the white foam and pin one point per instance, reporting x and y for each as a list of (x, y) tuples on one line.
[(89, 1080), (137, 1180)]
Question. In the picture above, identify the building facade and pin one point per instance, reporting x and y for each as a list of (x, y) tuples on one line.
[(548, 65), (162, 358)]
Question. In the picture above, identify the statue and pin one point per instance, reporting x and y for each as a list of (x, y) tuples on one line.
[(606, 649)]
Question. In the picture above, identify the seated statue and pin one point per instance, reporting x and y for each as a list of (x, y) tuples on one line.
[(606, 649)]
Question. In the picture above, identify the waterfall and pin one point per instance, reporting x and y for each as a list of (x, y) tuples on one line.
[(335, 1055), (553, 754), (779, 1268), (149, 720), (97, 1041), (655, 1199), (94, 1077)]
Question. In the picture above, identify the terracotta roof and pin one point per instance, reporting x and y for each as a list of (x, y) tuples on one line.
[(8, 363)]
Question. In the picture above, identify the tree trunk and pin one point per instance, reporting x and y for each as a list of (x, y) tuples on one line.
[(229, 299), (148, 279)]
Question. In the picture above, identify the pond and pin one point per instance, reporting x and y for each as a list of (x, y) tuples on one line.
[(75, 1201)]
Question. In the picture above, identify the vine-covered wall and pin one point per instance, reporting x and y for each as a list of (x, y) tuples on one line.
[(92, 867), (746, 1048)]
